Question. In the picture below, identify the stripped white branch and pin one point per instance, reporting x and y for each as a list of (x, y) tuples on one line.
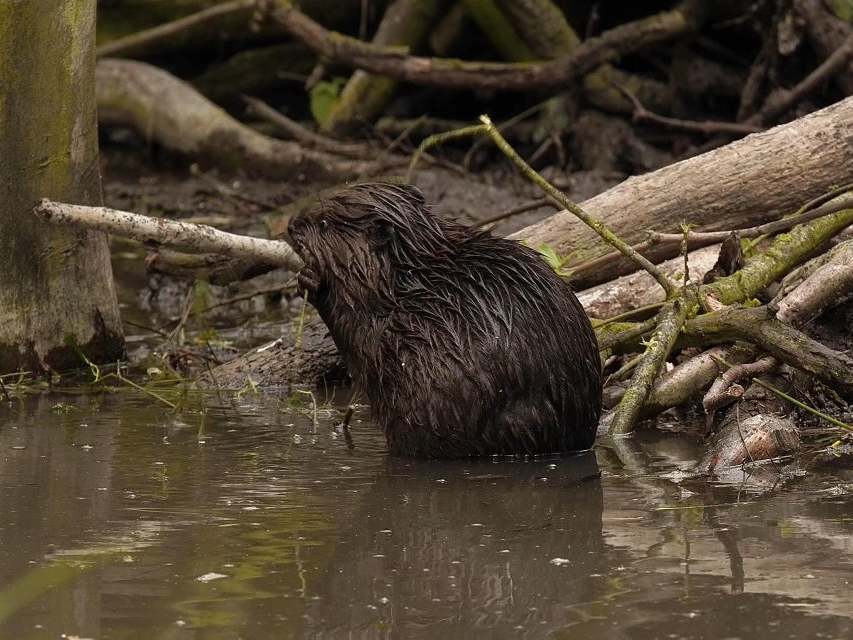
[(195, 238), (828, 283)]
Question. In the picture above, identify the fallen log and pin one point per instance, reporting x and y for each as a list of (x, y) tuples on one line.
[(305, 356), (165, 109), (750, 439), (751, 181), (639, 289)]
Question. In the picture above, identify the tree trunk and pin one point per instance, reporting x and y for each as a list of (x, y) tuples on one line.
[(57, 297)]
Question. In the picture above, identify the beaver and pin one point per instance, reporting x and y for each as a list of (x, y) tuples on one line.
[(464, 343)]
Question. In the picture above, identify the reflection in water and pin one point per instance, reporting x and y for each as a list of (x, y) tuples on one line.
[(460, 547), (122, 519)]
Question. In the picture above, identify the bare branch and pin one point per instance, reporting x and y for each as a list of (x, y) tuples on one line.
[(197, 238), (441, 72)]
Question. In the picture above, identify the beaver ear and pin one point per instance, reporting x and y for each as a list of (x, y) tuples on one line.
[(383, 233)]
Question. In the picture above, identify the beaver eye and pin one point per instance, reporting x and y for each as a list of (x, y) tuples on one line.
[(324, 222)]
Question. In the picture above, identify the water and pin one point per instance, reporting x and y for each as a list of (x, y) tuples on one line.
[(123, 519)]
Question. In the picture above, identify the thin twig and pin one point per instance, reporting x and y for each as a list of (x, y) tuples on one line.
[(626, 315), (506, 125), (147, 392), (185, 314), (707, 127), (596, 225), (249, 296), (441, 138), (622, 372), (779, 103), (522, 208), (229, 192), (305, 135), (792, 400), (685, 229), (147, 328), (153, 38)]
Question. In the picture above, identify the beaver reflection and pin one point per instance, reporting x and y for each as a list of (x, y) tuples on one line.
[(465, 344), (461, 550)]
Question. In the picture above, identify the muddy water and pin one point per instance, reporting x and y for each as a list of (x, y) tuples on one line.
[(124, 519)]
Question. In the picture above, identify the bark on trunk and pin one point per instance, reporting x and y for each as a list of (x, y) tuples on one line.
[(57, 297), (754, 180)]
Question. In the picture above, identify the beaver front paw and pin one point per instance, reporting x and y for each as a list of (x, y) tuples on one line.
[(307, 283)]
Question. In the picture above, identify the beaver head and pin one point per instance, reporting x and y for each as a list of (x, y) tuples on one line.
[(464, 343), (353, 242)]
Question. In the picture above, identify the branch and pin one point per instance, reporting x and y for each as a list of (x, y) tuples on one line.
[(661, 246), (606, 234), (196, 238), (514, 211), (166, 109), (670, 322), (719, 394), (779, 103), (688, 379), (786, 252), (302, 134), (441, 72), (152, 40), (829, 284), (707, 127), (776, 338)]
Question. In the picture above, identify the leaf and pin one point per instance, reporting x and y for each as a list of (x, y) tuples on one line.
[(555, 261), (550, 256), (324, 97), (843, 9)]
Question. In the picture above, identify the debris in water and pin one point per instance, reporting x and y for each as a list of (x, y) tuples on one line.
[(208, 577)]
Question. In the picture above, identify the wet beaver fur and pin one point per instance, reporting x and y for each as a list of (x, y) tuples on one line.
[(465, 344)]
